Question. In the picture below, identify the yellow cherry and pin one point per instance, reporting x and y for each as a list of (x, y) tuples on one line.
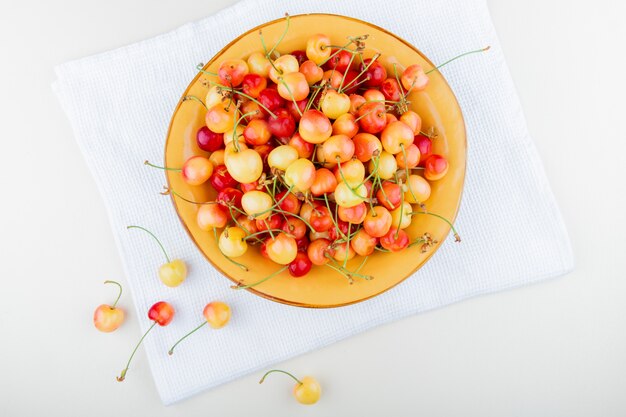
[(347, 197), (107, 318), (401, 216), (232, 242), (216, 314), (257, 204), (307, 390), (417, 189), (300, 175), (282, 156), (244, 166)]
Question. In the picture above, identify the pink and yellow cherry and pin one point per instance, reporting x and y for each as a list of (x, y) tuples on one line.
[(435, 167), (365, 146), (257, 204), (300, 175), (318, 48), (288, 202), (346, 196), (257, 132), (216, 314), (417, 189), (414, 78), (311, 71), (413, 120), (232, 72), (215, 96), (282, 248), (244, 166), (293, 86), (343, 252), (395, 136), (197, 170), (335, 104), (352, 172), (282, 156), (372, 117), (307, 390), (387, 165), (391, 118), (325, 182), (410, 158), (373, 95), (209, 141), (346, 125), (356, 101), (304, 148), (220, 118), (259, 64), (338, 148), (333, 79), (389, 195), (172, 273), (401, 216), (377, 221), (300, 266), (253, 110), (247, 224), (253, 84), (395, 240), (232, 242), (212, 216), (355, 214), (107, 318), (425, 146), (319, 251), (315, 127), (295, 227), (160, 313), (283, 65), (362, 243)]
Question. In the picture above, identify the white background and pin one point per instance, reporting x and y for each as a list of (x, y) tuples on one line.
[(553, 349)]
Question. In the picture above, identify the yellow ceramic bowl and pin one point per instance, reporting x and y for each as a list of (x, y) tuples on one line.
[(323, 287)]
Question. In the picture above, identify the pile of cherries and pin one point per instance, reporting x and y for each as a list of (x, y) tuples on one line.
[(315, 156)]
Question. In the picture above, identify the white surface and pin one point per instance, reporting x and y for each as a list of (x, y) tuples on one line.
[(551, 349), (124, 124)]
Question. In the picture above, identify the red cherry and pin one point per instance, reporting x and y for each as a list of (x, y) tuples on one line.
[(390, 89), (274, 221), (344, 227), (208, 140), (351, 82), (321, 219), (339, 61), (425, 145), (253, 84), (395, 240), (303, 244), (283, 125), (375, 73), (221, 179), (293, 110), (295, 227), (249, 186), (229, 196), (263, 250), (289, 203), (300, 266), (372, 117), (162, 313), (271, 99), (300, 56)]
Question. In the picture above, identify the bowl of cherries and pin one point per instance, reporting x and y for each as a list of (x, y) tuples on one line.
[(317, 160)]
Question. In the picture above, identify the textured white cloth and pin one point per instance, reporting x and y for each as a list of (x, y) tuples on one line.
[(120, 103)]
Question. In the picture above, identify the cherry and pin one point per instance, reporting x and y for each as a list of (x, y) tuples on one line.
[(257, 204), (352, 172), (300, 55), (283, 125), (345, 125), (395, 136), (395, 240), (414, 78), (232, 242), (339, 60), (343, 252), (252, 110), (244, 165), (435, 167), (283, 65), (270, 99), (172, 273), (347, 196), (355, 214), (425, 146), (160, 313), (338, 148), (231, 72), (216, 314), (315, 127), (195, 171), (282, 249), (374, 95), (321, 219), (257, 132), (253, 84), (221, 178), (372, 117), (377, 222), (410, 158), (300, 175), (356, 101), (333, 79), (417, 190), (300, 266), (319, 250), (365, 146), (295, 227), (304, 148), (220, 118), (389, 195), (303, 244), (288, 202), (282, 156), (217, 158), (350, 82), (312, 72), (318, 48), (325, 182), (342, 229), (293, 86), (211, 216), (401, 216), (391, 90), (259, 64), (264, 152), (108, 318), (306, 391), (413, 120), (362, 243), (209, 141), (334, 104), (387, 165), (375, 73), (229, 197), (296, 109)]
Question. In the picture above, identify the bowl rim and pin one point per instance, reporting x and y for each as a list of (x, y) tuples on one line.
[(269, 296)]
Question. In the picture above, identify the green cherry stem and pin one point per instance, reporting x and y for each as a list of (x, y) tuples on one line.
[(200, 67), (272, 275), (194, 98), (155, 238), (171, 351), (123, 374), (457, 57), (457, 237), (254, 235), (160, 167), (217, 242), (269, 54), (118, 295), (282, 372)]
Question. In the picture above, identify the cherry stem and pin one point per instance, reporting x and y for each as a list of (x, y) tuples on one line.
[(457, 237), (160, 167), (194, 98), (123, 374), (261, 232), (263, 42), (381, 249), (171, 351), (343, 79), (217, 242), (313, 97), (282, 372), (457, 57), (334, 53), (362, 264), (118, 295), (200, 67), (281, 37), (171, 191), (155, 238), (272, 275)]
